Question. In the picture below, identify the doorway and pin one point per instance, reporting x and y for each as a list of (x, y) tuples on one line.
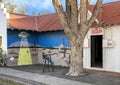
[(96, 51)]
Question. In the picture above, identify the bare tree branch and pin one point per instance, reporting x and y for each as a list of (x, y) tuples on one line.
[(74, 16), (62, 15), (68, 10), (83, 11), (87, 5), (95, 12), (58, 6)]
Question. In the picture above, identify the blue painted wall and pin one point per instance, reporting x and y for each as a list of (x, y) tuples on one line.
[(12, 36), (52, 39), (43, 39)]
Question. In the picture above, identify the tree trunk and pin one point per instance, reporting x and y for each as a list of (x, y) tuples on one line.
[(76, 62), (75, 33)]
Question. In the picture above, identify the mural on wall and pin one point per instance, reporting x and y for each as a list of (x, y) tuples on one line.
[(24, 53), (26, 49), (53, 39), (39, 39), (15, 41)]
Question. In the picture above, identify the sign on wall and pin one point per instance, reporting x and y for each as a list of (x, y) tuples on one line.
[(97, 31)]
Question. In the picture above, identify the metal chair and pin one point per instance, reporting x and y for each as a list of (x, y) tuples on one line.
[(47, 62)]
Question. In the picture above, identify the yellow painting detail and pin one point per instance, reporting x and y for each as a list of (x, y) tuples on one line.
[(24, 57)]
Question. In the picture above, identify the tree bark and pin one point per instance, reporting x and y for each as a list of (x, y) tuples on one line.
[(75, 34), (95, 12), (76, 61)]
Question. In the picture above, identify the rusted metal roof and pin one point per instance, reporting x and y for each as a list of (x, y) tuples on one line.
[(48, 22), (22, 22), (108, 14), (111, 13)]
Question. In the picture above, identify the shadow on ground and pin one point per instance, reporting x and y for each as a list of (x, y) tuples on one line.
[(92, 78)]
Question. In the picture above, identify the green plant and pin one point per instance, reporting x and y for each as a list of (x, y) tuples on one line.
[(3, 58), (9, 82)]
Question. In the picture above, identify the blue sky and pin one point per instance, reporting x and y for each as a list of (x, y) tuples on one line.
[(41, 6)]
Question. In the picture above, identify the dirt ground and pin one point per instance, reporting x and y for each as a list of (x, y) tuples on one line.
[(96, 78)]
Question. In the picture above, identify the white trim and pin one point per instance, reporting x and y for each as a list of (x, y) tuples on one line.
[(89, 12), (91, 15), (95, 68)]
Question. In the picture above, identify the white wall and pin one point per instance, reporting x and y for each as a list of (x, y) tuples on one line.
[(111, 54), (3, 29)]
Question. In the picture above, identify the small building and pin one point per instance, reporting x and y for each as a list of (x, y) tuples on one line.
[(101, 45)]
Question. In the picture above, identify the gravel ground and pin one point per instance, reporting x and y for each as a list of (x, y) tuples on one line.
[(90, 77)]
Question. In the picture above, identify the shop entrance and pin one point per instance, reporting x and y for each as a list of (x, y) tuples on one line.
[(96, 51)]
